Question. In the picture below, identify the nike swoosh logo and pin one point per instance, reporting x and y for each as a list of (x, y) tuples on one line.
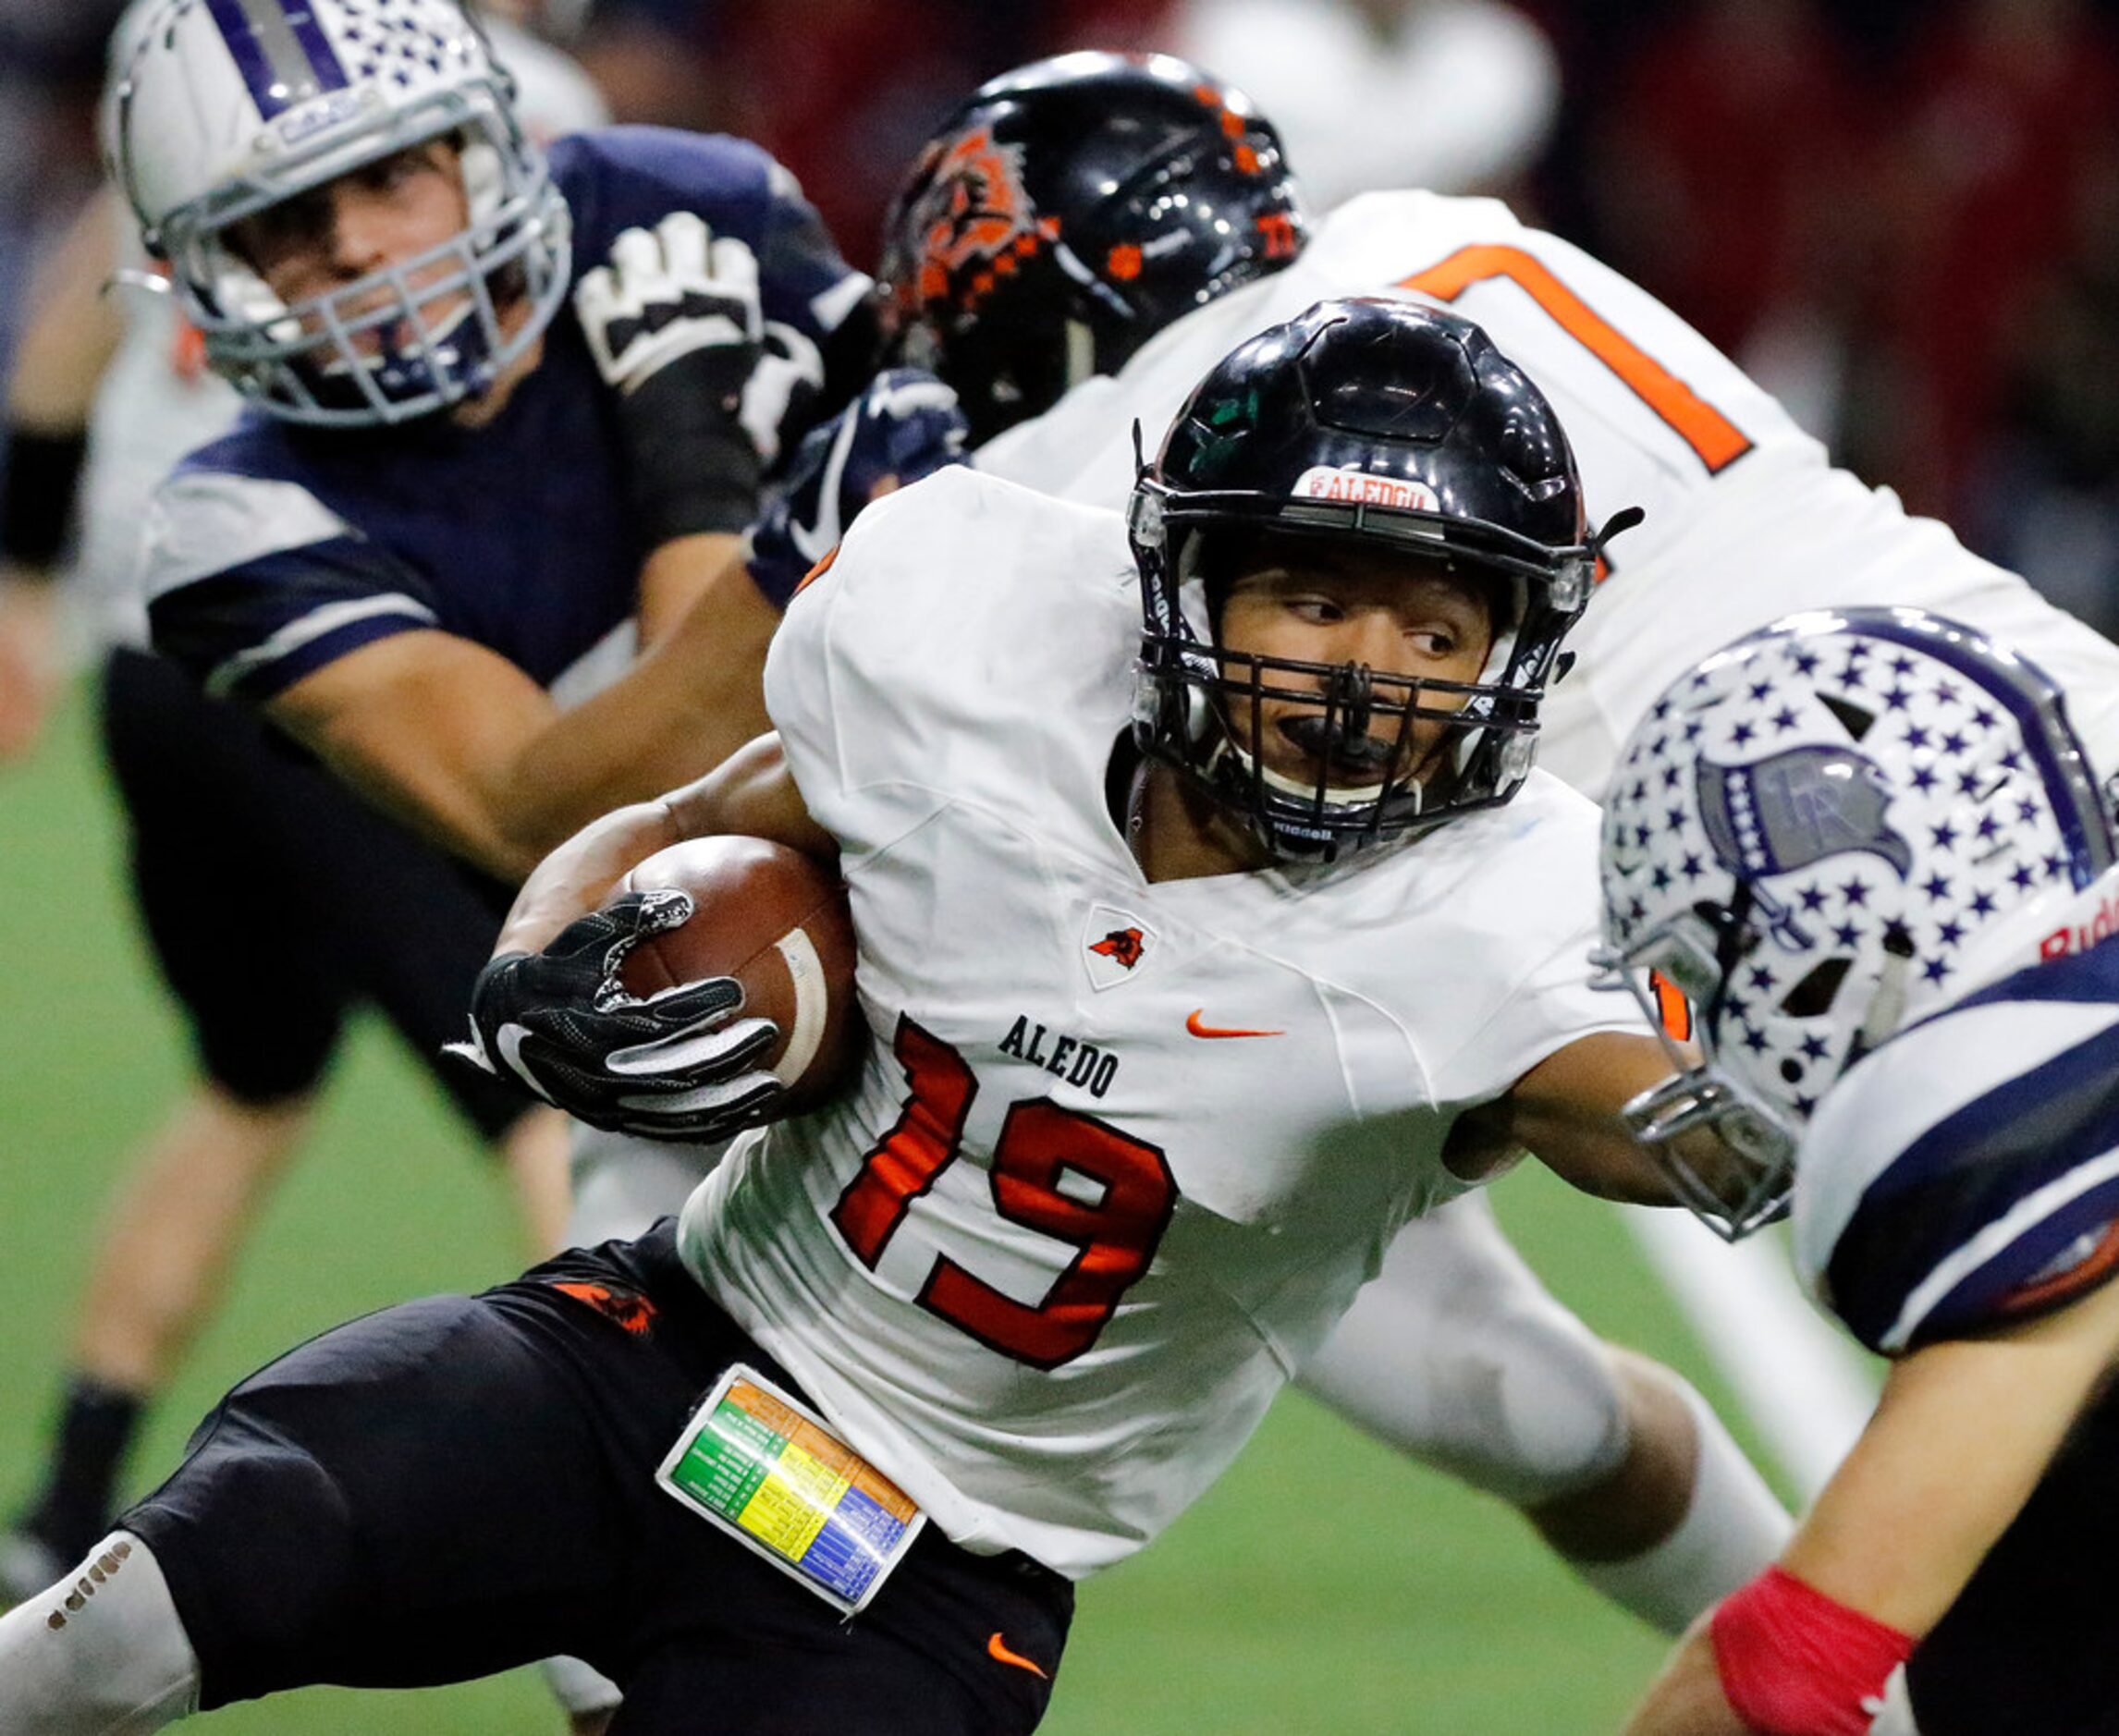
[(812, 542), (508, 1038), (1200, 1029), (997, 1649)]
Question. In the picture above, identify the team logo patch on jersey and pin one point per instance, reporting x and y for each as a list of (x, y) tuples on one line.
[(1358, 488), (626, 1308), (1121, 945), (1113, 944)]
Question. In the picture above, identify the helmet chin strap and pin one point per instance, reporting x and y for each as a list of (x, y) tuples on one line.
[(1886, 1007)]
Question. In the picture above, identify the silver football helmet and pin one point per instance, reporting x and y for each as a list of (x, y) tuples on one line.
[(219, 109), (1821, 834)]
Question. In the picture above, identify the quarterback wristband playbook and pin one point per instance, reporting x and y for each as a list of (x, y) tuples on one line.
[(756, 1462), (1795, 1663), (44, 474)]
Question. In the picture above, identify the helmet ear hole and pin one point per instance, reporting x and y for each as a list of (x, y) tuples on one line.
[(1857, 722), (1813, 996)]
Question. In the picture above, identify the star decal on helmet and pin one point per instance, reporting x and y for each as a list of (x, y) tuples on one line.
[(1865, 805)]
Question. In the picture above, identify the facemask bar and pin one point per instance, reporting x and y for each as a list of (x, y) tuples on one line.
[(1754, 1144), (1379, 790), (308, 365)]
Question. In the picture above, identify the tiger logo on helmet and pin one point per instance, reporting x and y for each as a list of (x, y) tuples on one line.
[(1067, 211)]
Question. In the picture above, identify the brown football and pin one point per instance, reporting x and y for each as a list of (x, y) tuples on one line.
[(777, 923)]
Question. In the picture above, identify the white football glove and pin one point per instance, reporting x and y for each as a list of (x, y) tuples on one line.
[(673, 321), (671, 292)]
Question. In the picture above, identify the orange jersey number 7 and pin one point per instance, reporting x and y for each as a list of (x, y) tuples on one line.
[(1718, 441)]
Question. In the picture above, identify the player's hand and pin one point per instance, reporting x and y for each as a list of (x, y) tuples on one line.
[(783, 389), (674, 323), (671, 296), (905, 426), (679, 1065)]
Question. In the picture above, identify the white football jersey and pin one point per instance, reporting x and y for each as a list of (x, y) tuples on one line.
[(1748, 519), (1121, 1153)]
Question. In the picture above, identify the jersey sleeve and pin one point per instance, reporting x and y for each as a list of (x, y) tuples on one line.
[(845, 682), (1967, 1173), (954, 615), (1527, 992), (252, 583), (631, 178)]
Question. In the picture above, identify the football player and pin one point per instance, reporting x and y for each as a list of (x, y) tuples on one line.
[(1081, 239), (1078, 236), (512, 407), (212, 807), (1872, 851), (444, 332), (449, 333), (1021, 1313)]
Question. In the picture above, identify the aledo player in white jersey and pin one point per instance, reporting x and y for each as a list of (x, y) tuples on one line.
[(1081, 239), (1745, 517), (1869, 847), (1025, 1316), (1061, 218)]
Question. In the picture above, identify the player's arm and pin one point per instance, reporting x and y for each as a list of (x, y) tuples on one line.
[(751, 794), (464, 746), (549, 1010), (67, 345), (469, 749), (461, 744), (1565, 1111), (710, 603), (1965, 1430), (703, 392)]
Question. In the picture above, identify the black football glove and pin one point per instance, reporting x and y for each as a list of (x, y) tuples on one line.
[(679, 1065), (904, 426), (675, 326)]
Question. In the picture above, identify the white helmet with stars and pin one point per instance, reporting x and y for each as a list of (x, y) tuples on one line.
[(219, 109), (1824, 832)]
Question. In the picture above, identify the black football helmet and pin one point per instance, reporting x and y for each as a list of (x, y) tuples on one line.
[(1404, 428), (1068, 211)]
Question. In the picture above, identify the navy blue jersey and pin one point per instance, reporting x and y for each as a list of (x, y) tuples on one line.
[(279, 548), (1967, 1173)]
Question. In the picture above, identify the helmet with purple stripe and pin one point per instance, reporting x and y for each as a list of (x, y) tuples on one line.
[(219, 110)]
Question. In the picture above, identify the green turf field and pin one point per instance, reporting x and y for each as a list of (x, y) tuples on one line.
[(1323, 1586)]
